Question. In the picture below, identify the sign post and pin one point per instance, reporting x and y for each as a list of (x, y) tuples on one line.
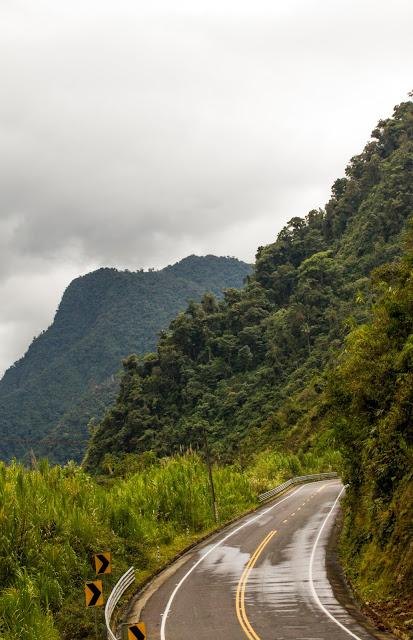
[(94, 598)]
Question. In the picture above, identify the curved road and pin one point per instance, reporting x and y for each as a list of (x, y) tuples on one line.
[(263, 578)]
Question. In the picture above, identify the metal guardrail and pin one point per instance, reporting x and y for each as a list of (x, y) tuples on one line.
[(297, 480), (117, 592)]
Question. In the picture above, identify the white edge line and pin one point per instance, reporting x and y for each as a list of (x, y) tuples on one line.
[(217, 544), (313, 591)]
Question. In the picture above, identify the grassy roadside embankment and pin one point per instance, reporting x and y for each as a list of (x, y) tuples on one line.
[(52, 520)]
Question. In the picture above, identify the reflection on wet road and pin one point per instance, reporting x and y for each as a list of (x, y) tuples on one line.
[(254, 581)]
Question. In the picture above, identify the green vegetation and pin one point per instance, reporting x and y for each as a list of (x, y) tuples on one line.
[(66, 378), (250, 367), (258, 369), (52, 519), (370, 400), (270, 375)]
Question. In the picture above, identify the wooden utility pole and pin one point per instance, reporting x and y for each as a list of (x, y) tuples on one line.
[(211, 479)]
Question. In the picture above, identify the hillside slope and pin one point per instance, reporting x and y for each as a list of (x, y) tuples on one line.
[(315, 353), (369, 404), (249, 367), (66, 376)]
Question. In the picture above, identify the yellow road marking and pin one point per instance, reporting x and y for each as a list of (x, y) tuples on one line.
[(240, 595)]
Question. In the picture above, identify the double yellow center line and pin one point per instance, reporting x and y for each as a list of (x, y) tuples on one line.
[(240, 595)]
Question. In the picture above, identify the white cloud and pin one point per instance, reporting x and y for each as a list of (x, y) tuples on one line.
[(134, 133)]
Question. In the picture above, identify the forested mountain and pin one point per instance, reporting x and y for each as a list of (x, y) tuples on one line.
[(250, 367), (314, 354), (67, 375)]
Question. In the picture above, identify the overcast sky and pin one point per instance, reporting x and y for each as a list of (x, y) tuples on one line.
[(133, 133)]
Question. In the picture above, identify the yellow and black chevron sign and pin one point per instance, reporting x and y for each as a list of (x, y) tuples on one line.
[(137, 631), (94, 594), (103, 562)]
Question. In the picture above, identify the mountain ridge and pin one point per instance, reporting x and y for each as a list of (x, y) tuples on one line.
[(102, 316)]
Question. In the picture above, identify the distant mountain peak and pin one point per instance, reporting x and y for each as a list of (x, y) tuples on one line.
[(49, 395)]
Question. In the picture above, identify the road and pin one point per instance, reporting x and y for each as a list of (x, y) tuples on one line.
[(263, 578)]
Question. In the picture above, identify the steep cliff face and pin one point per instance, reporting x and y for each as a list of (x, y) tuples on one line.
[(67, 375)]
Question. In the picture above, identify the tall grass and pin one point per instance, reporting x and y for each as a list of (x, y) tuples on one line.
[(52, 520), (273, 467)]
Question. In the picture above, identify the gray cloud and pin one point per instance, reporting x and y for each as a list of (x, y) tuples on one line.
[(134, 133)]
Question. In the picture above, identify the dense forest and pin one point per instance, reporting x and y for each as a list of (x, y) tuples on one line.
[(67, 376), (314, 353), (249, 368), (369, 401)]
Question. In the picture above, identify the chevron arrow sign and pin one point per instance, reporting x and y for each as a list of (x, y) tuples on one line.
[(103, 562), (94, 593), (137, 631)]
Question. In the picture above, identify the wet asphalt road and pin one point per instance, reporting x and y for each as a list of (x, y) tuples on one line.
[(263, 578)]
